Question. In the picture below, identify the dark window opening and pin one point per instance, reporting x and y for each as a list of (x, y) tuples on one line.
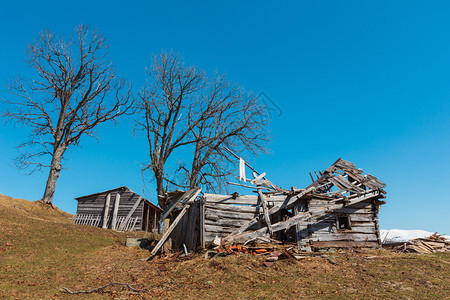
[(343, 223)]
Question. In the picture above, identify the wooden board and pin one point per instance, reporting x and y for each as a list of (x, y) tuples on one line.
[(244, 199)]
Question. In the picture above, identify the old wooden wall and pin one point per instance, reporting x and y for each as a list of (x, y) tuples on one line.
[(323, 232), (188, 229), (223, 214), (95, 204)]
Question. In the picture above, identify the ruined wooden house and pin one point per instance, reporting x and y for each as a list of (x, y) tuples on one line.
[(338, 209), (118, 209)]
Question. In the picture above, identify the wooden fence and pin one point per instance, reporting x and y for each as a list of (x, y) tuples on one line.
[(95, 220)]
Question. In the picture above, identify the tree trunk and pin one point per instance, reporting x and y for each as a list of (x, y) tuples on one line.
[(53, 175), (159, 176)]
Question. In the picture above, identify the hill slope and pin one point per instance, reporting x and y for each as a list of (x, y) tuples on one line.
[(40, 252)]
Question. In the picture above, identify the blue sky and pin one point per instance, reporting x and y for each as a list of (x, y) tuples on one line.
[(367, 81)]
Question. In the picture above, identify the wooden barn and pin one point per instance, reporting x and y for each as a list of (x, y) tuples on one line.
[(338, 209), (118, 209)]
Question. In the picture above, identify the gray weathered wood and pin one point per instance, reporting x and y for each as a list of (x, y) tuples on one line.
[(265, 211), (202, 224), (116, 210), (130, 213), (234, 208), (214, 214), (244, 199), (170, 229), (276, 208), (319, 212)]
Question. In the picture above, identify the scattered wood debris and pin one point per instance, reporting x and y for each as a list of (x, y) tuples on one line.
[(431, 244)]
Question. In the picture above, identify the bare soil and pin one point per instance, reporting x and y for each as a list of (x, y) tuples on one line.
[(40, 253)]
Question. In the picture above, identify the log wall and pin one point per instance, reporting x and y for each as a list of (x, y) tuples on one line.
[(224, 214), (363, 217)]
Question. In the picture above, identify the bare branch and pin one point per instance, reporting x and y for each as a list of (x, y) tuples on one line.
[(75, 90)]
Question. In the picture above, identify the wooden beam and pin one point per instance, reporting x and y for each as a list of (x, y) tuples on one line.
[(154, 222), (265, 211), (116, 211), (106, 213), (202, 223), (169, 231), (130, 213)]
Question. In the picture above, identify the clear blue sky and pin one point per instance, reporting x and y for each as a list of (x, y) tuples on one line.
[(368, 81)]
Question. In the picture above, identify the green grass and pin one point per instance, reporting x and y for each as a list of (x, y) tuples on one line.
[(40, 252)]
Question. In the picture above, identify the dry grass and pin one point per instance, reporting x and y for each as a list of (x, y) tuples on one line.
[(40, 253)]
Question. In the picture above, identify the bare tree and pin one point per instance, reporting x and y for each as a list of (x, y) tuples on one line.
[(75, 90), (182, 107), (235, 120)]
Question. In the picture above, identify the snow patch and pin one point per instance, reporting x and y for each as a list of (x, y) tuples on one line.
[(399, 236)]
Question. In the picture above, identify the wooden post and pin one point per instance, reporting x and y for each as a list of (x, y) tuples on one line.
[(168, 244), (106, 213), (202, 223), (147, 219), (155, 223), (265, 211), (116, 211)]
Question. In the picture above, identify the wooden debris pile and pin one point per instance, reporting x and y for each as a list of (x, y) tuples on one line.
[(338, 209), (431, 244), (269, 253)]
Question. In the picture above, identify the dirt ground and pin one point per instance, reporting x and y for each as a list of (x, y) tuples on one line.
[(40, 253)]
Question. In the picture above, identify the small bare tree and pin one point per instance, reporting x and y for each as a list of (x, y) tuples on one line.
[(182, 107), (75, 90)]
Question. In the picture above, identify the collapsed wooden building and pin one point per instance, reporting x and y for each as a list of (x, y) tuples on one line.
[(118, 209), (338, 209)]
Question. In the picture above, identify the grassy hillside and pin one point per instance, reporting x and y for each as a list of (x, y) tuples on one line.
[(40, 252)]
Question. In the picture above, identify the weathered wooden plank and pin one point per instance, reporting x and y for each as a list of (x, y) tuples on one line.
[(332, 229), (213, 214), (343, 244), (265, 209), (106, 208), (339, 236), (236, 223), (234, 208), (320, 203), (116, 210), (244, 199), (202, 224), (215, 228)]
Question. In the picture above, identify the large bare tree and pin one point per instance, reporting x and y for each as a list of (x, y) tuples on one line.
[(184, 109), (235, 120), (75, 89)]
